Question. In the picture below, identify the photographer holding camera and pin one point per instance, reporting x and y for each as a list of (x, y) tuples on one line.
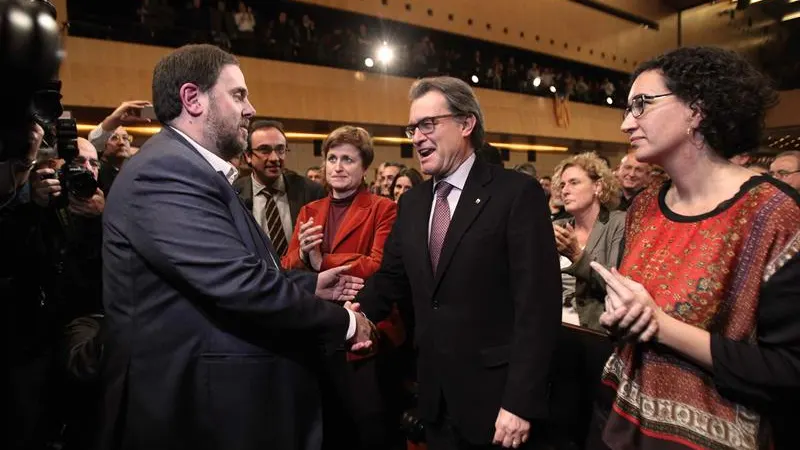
[(72, 206)]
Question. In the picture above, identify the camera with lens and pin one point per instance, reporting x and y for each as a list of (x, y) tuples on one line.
[(30, 54), (47, 111)]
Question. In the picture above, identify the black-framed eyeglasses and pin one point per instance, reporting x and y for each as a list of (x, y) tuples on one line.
[(637, 104), (782, 173), (427, 125), (81, 161), (266, 150)]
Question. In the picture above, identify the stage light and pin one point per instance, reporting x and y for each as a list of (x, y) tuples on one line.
[(475, 79), (609, 100), (553, 89), (537, 81), (369, 62), (385, 54)]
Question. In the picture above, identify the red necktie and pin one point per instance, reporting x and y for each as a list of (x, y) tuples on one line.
[(440, 222)]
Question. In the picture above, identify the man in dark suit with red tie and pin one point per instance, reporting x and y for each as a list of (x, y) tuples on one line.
[(273, 194), (473, 249)]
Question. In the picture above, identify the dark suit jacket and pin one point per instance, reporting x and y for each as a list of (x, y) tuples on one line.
[(299, 191), (486, 321), (207, 340), (604, 246)]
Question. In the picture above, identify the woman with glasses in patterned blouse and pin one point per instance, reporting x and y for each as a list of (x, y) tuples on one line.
[(706, 300)]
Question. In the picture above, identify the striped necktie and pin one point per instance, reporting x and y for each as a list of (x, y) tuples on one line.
[(272, 220)]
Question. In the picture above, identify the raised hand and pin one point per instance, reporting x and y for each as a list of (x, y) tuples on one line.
[(128, 113), (334, 285), (567, 242), (310, 237), (629, 307)]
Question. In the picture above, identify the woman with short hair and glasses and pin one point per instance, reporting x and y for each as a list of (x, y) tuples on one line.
[(349, 227), (706, 300)]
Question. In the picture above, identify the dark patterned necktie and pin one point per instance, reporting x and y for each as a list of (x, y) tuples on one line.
[(272, 220), (440, 222)]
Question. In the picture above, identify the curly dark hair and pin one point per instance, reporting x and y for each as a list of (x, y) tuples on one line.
[(731, 94)]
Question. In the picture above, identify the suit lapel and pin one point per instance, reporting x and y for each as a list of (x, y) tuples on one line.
[(355, 217), (421, 214), (597, 232), (295, 196), (244, 187), (472, 200)]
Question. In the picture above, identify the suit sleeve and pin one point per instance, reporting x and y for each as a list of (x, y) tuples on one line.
[(291, 260), (365, 265), (765, 374), (389, 285), (535, 279), (181, 224)]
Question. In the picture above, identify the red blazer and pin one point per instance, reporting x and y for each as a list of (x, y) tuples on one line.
[(358, 242)]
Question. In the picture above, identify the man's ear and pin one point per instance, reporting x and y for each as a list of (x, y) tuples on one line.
[(469, 125), (191, 99)]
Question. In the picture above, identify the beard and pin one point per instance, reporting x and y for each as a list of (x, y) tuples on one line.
[(225, 135)]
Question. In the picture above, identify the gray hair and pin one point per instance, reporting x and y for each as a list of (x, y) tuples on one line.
[(460, 98), (526, 168)]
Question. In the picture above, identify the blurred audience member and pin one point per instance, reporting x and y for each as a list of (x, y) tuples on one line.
[(404, 181), (314, 173), (388, 172), (590, 193), (634, 176), (786, 168)]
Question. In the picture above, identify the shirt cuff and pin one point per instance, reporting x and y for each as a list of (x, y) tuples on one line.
[(351, 329), (98, 137)]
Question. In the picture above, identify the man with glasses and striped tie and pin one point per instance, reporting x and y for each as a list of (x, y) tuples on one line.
[(274, 195)]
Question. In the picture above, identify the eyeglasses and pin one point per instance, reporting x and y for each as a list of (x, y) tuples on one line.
[(427, 125), (266, 150), (782, 173), (121, 137), (637, 104), (81, 161)]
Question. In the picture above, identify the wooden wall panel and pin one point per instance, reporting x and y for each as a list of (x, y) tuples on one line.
[(787, 112), (92, 77)]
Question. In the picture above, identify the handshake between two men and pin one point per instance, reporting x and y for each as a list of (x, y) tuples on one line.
[(334, 285)]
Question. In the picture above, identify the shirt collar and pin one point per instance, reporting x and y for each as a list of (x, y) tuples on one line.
[(458, 178), (278, 186), (219, 164)]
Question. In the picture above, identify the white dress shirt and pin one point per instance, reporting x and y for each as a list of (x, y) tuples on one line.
[(456, 179), (230, 172), (281, 202)]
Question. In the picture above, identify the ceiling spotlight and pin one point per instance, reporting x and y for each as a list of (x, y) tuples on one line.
[(474, 79), (385, 54), (553, 89), (609, 100), (369, 62)]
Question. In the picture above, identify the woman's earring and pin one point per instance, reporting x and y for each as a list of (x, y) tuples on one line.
[(689, 131)]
